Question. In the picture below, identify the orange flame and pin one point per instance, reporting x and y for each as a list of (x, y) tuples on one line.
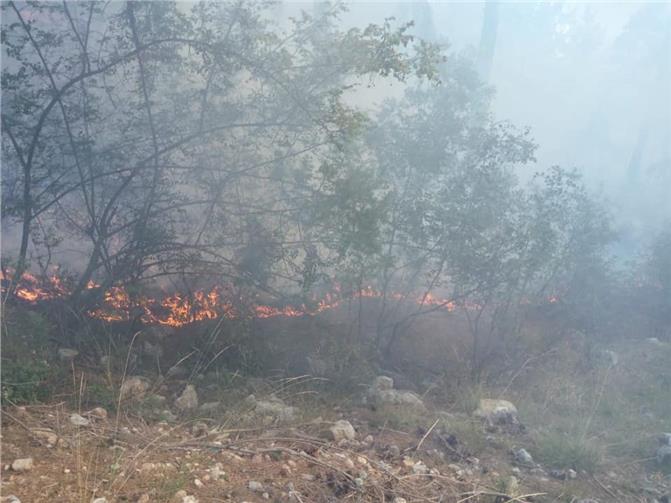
[(177, 309)]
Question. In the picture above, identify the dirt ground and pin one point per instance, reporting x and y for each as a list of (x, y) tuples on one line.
[(125, 459)]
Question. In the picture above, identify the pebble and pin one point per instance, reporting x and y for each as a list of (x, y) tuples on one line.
[(420, 468), (98, 413), (22, 464), (255, 486), (46, 436), (523, 457), (78, 420), (394, 450)]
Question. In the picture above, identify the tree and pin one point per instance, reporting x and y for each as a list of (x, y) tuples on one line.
[(167, 142)]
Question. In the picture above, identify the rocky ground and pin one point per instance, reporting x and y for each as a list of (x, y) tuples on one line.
[(355, 451)]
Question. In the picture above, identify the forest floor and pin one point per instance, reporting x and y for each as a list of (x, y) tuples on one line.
[(582, 435), (137, 461)]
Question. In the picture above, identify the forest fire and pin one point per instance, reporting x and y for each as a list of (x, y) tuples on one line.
[(179, 309)]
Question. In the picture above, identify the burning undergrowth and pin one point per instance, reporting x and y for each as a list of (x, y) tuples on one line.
[(178, 309)]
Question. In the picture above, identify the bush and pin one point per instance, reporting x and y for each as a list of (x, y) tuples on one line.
[(25, 381), (560, 450)]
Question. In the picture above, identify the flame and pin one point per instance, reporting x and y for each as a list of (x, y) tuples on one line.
[(179, 309)]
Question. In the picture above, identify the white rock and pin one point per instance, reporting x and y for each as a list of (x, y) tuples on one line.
[(10, 499), (99, 500), (188, 400), (342, 430), (398, 499), (78, 420), (496, 411), (255, 486), (46, 436), (663, 454), (420, 468), (523, 457), (273, 407), (22, 464)]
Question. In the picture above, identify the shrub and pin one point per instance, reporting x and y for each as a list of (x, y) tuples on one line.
[(24, 382), (560, 450)]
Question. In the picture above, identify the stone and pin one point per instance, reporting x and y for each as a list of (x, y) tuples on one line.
[(496, 411), (273, 407), (77, 420), (134, 387), (255, 486), (382, 391), (342, 429), (394, 450), (558, 474), (98, 413), (188, 400), (22, 464), (10, 499), (663, 454), (398, 499), (523, 457), (571, 474), (665, 439), (189, 499), (420, 468), (217, 471), (67, 354), (99, 500), (46, 436)]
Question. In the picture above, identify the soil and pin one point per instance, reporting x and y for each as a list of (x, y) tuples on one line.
[(125, 459)]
